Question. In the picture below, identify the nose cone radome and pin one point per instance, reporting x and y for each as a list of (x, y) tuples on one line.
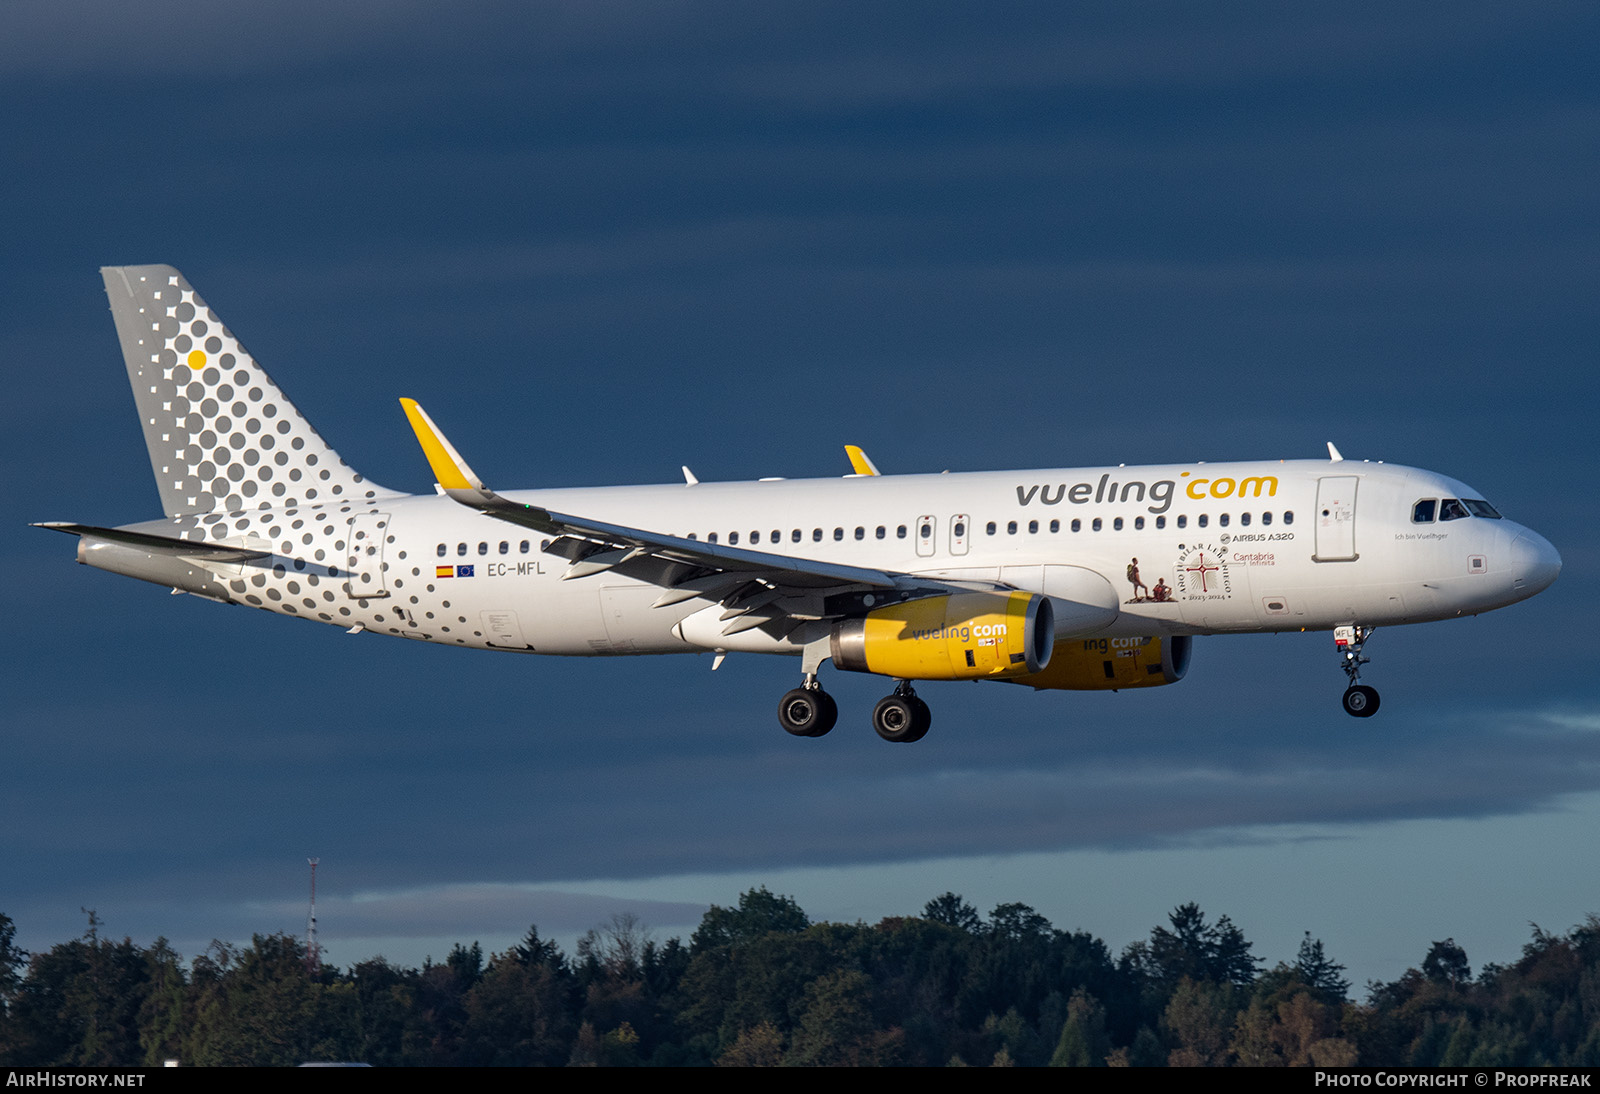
[(1535, 563)]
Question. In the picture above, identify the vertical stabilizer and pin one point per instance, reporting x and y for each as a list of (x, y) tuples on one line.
[(222, 436)]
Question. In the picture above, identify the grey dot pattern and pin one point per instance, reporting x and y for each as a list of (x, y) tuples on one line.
[(222, 436), (285, 582), (236, 462)]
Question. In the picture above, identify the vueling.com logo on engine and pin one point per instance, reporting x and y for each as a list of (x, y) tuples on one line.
[(964, 632)]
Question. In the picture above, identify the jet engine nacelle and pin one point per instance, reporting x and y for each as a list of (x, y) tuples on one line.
[(962, 636), (1111, 664)]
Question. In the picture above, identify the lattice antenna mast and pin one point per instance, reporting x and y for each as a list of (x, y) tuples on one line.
[(313, 951)]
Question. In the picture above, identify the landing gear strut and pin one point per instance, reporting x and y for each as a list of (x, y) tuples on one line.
[(902, 717), (1360, 701), (808, 711)]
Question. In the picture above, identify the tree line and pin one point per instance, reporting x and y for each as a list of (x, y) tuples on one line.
[(760, 984)]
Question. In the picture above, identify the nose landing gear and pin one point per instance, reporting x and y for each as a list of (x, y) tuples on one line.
[(1360, 701)]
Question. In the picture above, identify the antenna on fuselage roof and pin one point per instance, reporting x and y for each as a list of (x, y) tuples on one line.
[(1333, 454)]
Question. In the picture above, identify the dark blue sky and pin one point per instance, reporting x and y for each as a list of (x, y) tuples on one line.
[(606, 239)]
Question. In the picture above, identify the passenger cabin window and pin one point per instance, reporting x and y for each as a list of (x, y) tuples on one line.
[(861, 533), (711, 538), (1244, 519), (1077, 525), (1033, 527), (461, 548), (838, 534), (443, 550), (1183, 521), (1203, 521), (733, 539), (1422, 512), (1011, 528), (882, 531), (900, 532), (524, 547), (816, 535), (1097, 524), (1116, 525), (1266, 518), (505, 548), (1288, 516), (795, 535), (990, 528), (1055, 526), (1222, 521), (1138, 524), (483, 548), (1161, 522)]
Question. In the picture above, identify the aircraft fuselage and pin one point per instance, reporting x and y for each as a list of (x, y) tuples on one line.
[(1263, 557), (1087, 579)]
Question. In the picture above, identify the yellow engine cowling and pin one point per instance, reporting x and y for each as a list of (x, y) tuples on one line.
[(1111, 664), (963, 636)]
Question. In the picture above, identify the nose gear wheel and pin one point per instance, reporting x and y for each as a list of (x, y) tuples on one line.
[(1360, 701)]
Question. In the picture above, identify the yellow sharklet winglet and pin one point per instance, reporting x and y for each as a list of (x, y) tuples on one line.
[(448, 466), (860, 461)]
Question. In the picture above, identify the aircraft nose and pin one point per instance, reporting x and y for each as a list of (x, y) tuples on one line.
[(1536, 563)]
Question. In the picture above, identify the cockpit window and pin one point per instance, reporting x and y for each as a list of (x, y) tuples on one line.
[(1424, 511)]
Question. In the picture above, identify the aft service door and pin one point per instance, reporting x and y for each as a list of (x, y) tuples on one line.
[(1336, 518), (364, 556)]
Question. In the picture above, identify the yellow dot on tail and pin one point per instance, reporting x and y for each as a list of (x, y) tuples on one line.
[(197, 360)]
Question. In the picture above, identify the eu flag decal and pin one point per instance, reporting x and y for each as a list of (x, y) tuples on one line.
[(463, 571)]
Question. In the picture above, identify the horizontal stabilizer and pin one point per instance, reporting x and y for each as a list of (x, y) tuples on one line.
[(167, 545)]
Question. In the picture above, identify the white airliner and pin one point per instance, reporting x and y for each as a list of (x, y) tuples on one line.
[(1088, 578)]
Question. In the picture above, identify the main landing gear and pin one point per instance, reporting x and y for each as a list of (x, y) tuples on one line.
[(1360, 701), (808, 711), (902, 717)]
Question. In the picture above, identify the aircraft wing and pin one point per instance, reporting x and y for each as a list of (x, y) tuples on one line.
[(756, 586)]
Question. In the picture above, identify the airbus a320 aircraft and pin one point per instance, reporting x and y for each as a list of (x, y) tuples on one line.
[(1093, 578)]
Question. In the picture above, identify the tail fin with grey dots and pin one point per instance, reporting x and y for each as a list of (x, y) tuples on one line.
[(222, 436)]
